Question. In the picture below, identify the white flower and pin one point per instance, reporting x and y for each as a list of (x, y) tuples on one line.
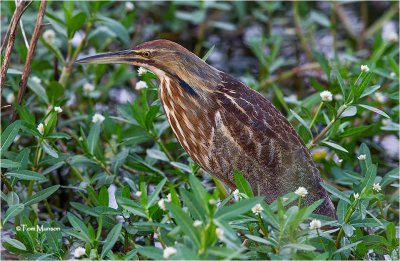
[(338, 97), (36, 79), (138, 193), (291, 98), (49, 36), (77, 39), (168, 252), (257, 209), (79, 251), (212, 202), (285, 199), (326, 96), (381, 98), (315, 224), (10, 98), (58, 109), (364, 68), (98, 118), (389, 32), (219, 232), (392, 74), (140, 85), (129, 6), (377, 187), (236, 193), (169, 198), (40, 128), (356, 196), (362, 157), (301, 191), (88, 87), (161, 204), (141, 71), (197, 223)]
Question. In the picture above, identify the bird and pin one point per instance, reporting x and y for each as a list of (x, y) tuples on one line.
[(224, 125)]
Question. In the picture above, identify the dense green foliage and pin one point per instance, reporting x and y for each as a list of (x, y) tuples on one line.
[(61, 166)]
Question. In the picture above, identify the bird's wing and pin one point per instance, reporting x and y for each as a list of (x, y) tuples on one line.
[(252, 136)]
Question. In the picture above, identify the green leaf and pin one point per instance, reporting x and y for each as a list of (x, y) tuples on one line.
[(38, 89), (373, 109), (362, 86), (353, 131), (103, 196), (53, 237), (209, 52), (151, 252), (334, 191), (341, 84), (185, 223), (369, 177), (232, 211), (13, 245), (75, 23), (111, 239), (6, 163), (303, 247), (349, 112), (370, 90), (93, 137), (153, 198), (116, 27), (301, 120), (12, 212), (79, 226), (157, 154), (242, 184), (321, 59), (41, 195), (8, 135), (49, 150), (26, 175), (335, 146)]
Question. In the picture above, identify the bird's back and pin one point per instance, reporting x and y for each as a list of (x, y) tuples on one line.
[(239, 129)]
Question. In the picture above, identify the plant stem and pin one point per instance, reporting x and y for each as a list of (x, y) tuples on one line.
[(262, 226), (164, 149), (346, 219), (327, 128), (316, 114), (300, 33)]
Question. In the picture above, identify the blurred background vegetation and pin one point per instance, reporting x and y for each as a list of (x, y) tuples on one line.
[(107, 156)]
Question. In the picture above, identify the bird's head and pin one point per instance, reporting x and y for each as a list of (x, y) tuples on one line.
[(161, 57)]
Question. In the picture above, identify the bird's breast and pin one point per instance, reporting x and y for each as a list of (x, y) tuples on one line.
[(187, 118)]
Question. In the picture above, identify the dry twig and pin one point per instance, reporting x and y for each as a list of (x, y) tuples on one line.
[(31, 51), (11, 32)]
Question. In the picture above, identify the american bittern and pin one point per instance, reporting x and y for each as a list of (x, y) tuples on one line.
[(224, 125)]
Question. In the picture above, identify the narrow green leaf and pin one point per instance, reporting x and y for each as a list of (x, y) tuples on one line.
[(41, 195), (370, 90), (373, 109), (341, 84), (335, 146), (12, 212), (242, 184), (157, 154), (153, 198), (334, 191), (185, 223), (303, 247), (6, 163), (232, 211), (111, 239), (13, 244), (93, 137), (8, 135), (26, 175), (300, 119), (209, 52)]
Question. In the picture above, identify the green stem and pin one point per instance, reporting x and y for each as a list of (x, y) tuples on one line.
[(316, 115), (346, 220), (320, 240), (164, 149), (262, 226)]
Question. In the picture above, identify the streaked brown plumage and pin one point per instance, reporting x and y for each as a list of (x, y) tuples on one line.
[(225, 125)]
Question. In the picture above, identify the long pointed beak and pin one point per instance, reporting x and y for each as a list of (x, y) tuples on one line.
[(110, 57)]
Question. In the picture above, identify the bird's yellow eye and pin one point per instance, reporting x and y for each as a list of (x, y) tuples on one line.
[(146, 54)]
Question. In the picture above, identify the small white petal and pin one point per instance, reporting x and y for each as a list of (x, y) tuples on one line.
[(141, 71), (58, 109), (49, 36), (362, 157), (88, 87), (197, 223), (219, 233), (161, 204), (301, 191), (257, 209), (326, 96), (356, 196), (138, 193), (129, 6), (40, 128), (377, 187), (79, 251), (141, 85), (364, 68), (315, 224), (169, 252), (98, 118), (10, 98)]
